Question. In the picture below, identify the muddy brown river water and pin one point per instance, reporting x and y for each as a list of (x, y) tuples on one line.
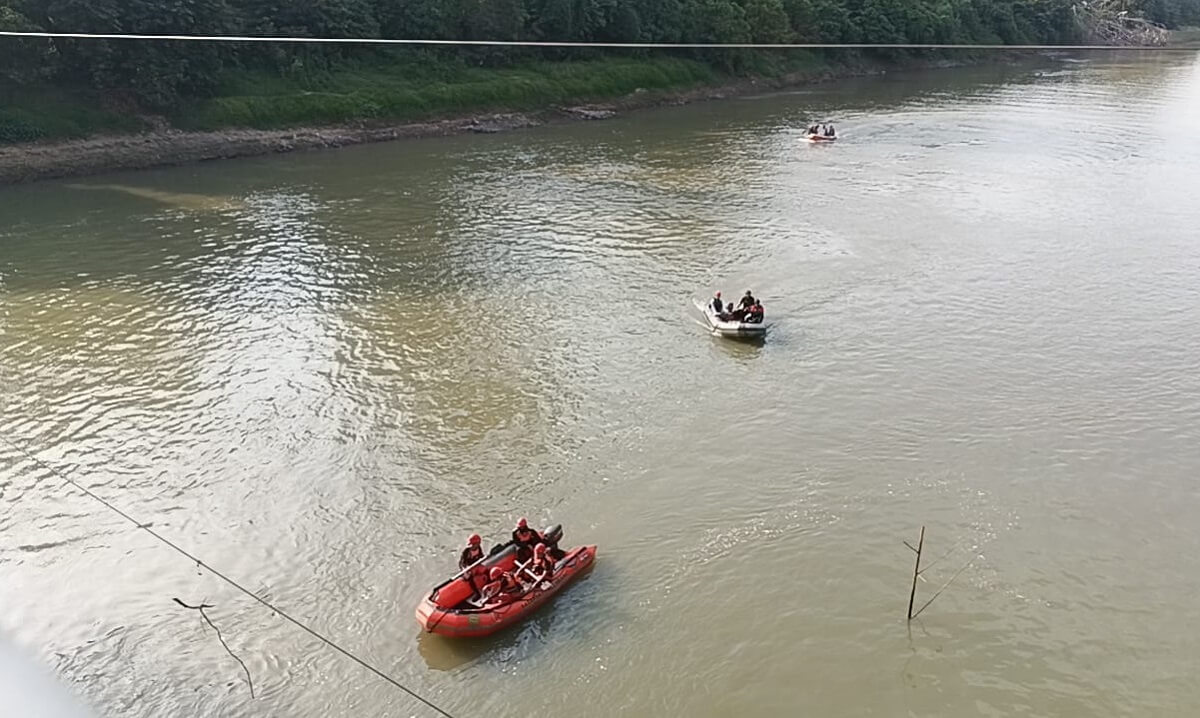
[(320, 372)]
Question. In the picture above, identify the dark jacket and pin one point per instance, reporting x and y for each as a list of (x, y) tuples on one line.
[(470, 555), (533, 539)]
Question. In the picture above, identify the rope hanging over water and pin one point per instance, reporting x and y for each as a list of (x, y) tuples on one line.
[(180, 550), (554, 43)]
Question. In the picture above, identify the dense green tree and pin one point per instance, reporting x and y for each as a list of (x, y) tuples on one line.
[(1173, 13), (156, 74), (23, 61), (718, 21), (768, 21), (431, 19)]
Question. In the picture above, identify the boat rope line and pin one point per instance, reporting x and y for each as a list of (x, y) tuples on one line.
[(557, 43), (192, 557)]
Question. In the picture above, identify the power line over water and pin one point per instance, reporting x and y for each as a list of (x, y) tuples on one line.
[(199, 562), (553, 43)]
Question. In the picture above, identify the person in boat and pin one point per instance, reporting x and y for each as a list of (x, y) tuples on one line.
[(541, 567), (814, 130), (502, 587), (472, 553), (747, 301), (755, 313), (716, 303), (830, 132), (477, 579), (732, 315), (525, 538)]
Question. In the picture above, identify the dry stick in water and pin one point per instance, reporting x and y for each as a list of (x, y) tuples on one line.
[(220, 638), (912, 596), (939, 591), (938, 560)]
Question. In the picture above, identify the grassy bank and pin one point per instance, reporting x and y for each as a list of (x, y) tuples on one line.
[(375, 92), (382, 90), (413, 91), (1186, 37), (30, 114)]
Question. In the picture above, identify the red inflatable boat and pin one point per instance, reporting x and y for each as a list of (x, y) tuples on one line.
[(453, 608)]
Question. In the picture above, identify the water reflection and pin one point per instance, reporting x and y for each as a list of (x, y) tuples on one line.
[(320, 371)]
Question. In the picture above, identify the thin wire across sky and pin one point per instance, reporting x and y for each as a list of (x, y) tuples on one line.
[(555, 43)]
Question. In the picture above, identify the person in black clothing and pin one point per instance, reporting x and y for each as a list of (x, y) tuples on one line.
[(830, 132), (716, 303), (747, 301), (472, 553), (525, 539), (732, 315)]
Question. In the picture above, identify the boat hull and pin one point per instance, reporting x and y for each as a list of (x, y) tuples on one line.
[(475, 623), (731, 329), (820, 138)]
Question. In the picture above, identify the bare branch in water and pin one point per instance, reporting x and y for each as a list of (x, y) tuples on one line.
[(944, 587), (938, 560), (200, 608), (912, 595)]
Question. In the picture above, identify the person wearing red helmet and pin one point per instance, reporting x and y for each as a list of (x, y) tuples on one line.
[(491, 589), (472, 553), (716, 304), (755, 313), (541, 567), (477, 579), (502, 586), (525, 538)]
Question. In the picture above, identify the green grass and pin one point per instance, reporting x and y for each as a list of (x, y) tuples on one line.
[(382, 88), (406, 91), (1185, 37), (27, 115)]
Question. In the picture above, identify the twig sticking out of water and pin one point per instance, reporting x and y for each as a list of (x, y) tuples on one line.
[(917, 571), (938, 560), (943, 588), (912, 595), (221, 638)]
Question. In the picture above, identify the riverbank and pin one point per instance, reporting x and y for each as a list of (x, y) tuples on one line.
[(527, 104)]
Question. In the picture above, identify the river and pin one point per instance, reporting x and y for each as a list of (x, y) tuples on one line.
[(320, 372)]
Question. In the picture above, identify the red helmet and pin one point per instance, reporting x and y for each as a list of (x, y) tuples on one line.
[(539, 550), (496, 573), (474, 540), (522, 523), (718, 294)]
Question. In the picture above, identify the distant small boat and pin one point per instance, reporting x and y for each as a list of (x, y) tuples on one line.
[(820, 138), (744, 330)]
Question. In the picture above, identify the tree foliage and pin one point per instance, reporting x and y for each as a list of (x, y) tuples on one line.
[(157, 74)]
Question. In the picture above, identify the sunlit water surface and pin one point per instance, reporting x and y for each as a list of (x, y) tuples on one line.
[(319, 372)]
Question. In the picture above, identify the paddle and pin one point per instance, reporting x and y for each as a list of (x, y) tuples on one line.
[(516, 572), (463, 572)]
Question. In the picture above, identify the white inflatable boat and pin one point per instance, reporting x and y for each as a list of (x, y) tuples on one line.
[(746, 330)]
